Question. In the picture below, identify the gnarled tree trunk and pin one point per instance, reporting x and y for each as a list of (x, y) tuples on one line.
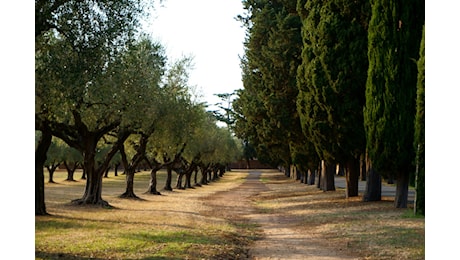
[(93, 188), (180, 177), (215, 173), (209, 178), (83, 174), (94, 173), (221, 170), (129, 192), (40, 158), (70, 170), (116, 169), (195, 178), (153, 182), (188, 177), (204, 175), (168, 179), (106, 173), (51, 169), (131, 167)]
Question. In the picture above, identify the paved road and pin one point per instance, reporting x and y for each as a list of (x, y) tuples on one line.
[(387, 190)]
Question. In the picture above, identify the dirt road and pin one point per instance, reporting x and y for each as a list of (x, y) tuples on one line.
[(278, 238), (244, 215)]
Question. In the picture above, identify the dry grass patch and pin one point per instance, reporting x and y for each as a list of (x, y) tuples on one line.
[(209, 223), (169, 226), (369, 230)]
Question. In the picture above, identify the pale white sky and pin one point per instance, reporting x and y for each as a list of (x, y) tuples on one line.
[(208, 31)]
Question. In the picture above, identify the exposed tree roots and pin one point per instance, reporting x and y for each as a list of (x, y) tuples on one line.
[(152, 192), (130, 195), (102, 203)]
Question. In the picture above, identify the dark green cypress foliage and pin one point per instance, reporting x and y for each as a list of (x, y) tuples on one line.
[(419, 141), (394, 39), (255, 124), (272, 55), (312, 116), (332, 77)]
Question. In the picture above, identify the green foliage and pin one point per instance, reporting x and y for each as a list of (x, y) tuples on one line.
[(76, 41), (81, 72), (419, 139), (394, 39), (331, 78), (105, 91), (211, 144), (181, 121), (59, 152), (138, 75), (123, 94), (93, 79), (82, 21), (265, 113), (54, 156), (178, 116), (226, 115), (38, 136)]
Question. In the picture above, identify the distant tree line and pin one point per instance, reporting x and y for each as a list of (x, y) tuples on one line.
[(337, 82), (106, 96)]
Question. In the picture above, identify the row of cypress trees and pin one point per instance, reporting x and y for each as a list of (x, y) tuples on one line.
[(395, 32), (333, 80)]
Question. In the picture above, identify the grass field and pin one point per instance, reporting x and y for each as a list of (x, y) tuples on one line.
[(177, 224), (369, 230), (157, 227)]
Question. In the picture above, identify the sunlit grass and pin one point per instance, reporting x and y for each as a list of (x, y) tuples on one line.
[(372, 230), (175, 226), (169, 226)]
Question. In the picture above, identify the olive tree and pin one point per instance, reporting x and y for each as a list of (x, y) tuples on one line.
[(77, 94)]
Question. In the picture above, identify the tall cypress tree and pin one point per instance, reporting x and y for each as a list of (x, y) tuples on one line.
[(272, 55), (331, 81), (394, 38), (419, 141)]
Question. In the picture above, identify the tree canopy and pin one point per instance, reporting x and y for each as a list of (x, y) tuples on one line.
[(395, 31), (267, 115), (330, 81), (419, 138), (102, 86), (323, 81), (332, 76)]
